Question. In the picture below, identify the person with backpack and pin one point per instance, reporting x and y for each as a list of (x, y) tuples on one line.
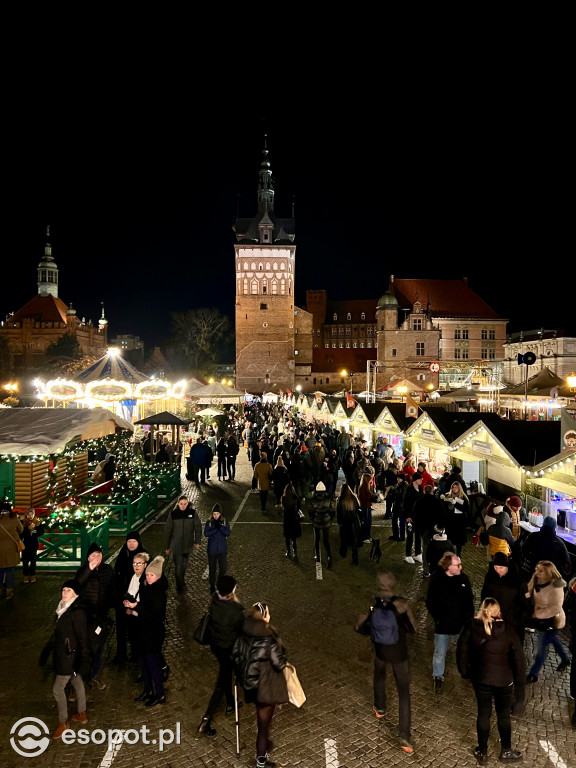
[(233, 449), (387, 623)]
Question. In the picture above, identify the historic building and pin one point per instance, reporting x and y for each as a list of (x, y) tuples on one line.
[(551, 349), (273, 336), (45, 319)]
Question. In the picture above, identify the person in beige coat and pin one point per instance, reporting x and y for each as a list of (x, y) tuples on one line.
[(10, 530), (263, 475), (546, 588)]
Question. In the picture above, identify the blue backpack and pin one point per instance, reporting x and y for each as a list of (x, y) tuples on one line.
[(384, 623)]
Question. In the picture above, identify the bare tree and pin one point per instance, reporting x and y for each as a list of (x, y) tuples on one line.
[(198, 333)]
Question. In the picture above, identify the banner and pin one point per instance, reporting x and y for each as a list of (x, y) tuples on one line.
[(350, 402), (567, 431), (411, 408)]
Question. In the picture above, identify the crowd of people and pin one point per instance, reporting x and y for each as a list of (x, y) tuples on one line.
[(329, 477)]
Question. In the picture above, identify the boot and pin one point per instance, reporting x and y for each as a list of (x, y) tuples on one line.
[(147, 693), (32, 579), (26, 579), (205, 727), (60, 730), (9, 596), (80, 717)]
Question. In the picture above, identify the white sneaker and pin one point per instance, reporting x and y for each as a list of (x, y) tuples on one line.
[(409, 559), (418, 558)]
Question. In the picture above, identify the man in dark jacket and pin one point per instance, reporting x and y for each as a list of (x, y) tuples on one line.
[(96, 580), (500, 538), (395, 654), (450, 602), (198, 461), (182, 533), (545, 545)]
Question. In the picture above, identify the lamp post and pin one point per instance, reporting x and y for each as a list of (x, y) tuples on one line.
[(571, 380), (402, 391)]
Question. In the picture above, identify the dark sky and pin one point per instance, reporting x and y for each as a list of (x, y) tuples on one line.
[(445, 182)]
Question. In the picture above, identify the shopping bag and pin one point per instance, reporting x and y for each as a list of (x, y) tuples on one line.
[(296, 693)]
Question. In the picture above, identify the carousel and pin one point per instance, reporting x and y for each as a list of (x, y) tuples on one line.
[(114, 383)]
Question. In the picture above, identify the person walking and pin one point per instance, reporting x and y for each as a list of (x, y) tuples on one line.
[(182, 534), (232, 451), (398, 494), (222, 458), (259, 657), (150, 611), (280, 479), (489, 654), (123, 574), (457, 509), (347, 517), (500, 538), (413, 523), (438, 545), (10, 530), (263, 475), (96, 580), (570, 611), (388, 622), (450, 602), (545, 544), (291, 527), (321, 516), (71, 655), (33, 528), (226, 621), (546, 588), (217, 531), (366, 496)]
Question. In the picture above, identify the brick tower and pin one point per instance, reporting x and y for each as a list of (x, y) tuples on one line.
[(265, 312)]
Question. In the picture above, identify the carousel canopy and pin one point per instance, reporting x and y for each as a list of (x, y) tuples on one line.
[(111, 366), (39, 431)]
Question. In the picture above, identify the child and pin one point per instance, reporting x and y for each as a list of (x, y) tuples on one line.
[(33, 529)]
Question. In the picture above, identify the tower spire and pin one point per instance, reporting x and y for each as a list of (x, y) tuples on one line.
[(266, 186), (48, 271)]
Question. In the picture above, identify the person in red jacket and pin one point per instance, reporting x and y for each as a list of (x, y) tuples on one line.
[(427, 478)]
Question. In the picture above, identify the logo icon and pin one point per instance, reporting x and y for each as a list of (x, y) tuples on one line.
[(29, 740)]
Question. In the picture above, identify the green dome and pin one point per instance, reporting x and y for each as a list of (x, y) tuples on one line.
[(387, 301)]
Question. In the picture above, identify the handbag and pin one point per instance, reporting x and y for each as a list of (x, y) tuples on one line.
[(296, 693), (202, 631), (19, 543)]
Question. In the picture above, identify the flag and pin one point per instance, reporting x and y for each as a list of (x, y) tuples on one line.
[(350, 402), (567, 430), (411, 408)]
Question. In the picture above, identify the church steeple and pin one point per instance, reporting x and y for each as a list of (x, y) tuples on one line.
[(266, 185), (48, 271)]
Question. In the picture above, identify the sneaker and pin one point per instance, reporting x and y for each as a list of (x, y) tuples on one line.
[(100, 685), (438, 685), (406, 747), (165, 673), (418, 558), (379, 712), (481, 756), (510, 756), (409, 559), (367, 541), (60, 730), (563, 665), (254, 490)]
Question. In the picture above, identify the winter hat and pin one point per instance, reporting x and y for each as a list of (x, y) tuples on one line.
[(225, 585), (155, 566), (439, 530), (94, 547), (133, 535), (72, 584), (515, 501), (501, 559), (549, 522)]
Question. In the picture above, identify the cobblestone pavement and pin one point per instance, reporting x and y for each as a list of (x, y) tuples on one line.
[(315, 610)]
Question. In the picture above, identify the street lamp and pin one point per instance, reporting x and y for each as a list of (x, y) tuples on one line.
[(571, 379), (402, 391), (344, 373)]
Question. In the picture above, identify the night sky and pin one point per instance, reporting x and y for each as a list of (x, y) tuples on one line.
[(141, 199)]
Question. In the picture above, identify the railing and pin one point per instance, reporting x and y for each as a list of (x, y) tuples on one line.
[(67, 549)]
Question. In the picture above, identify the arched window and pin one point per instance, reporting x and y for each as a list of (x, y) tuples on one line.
[(289, 287), (282, 266), (274, 287), (335, 317), (349, 316), (363, 316), (245, 286), (275, 266), (283, 287), (260, 267), (246, 266), (253, 266), (254, 287)]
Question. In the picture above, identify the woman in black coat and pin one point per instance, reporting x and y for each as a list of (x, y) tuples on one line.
[(259, 657), (222, 455), (151, 613), (71, 654), (489, 654), (123, 573), (292, 528), (280, 479), (457, 509)]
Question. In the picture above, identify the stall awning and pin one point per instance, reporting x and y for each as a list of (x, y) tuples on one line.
[(555, 485)]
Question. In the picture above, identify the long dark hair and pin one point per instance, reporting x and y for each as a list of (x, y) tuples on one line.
[(348, 499)]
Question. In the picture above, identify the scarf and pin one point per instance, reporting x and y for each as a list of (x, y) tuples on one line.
[(538, 587)]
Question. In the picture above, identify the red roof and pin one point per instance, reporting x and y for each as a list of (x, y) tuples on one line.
[(43, 309), (446, 298)]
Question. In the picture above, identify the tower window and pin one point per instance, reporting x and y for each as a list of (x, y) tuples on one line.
[(363, 316), (260, 267), (349, 316), (263, 306), (417, 324), (335, 317), (394, 353)]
